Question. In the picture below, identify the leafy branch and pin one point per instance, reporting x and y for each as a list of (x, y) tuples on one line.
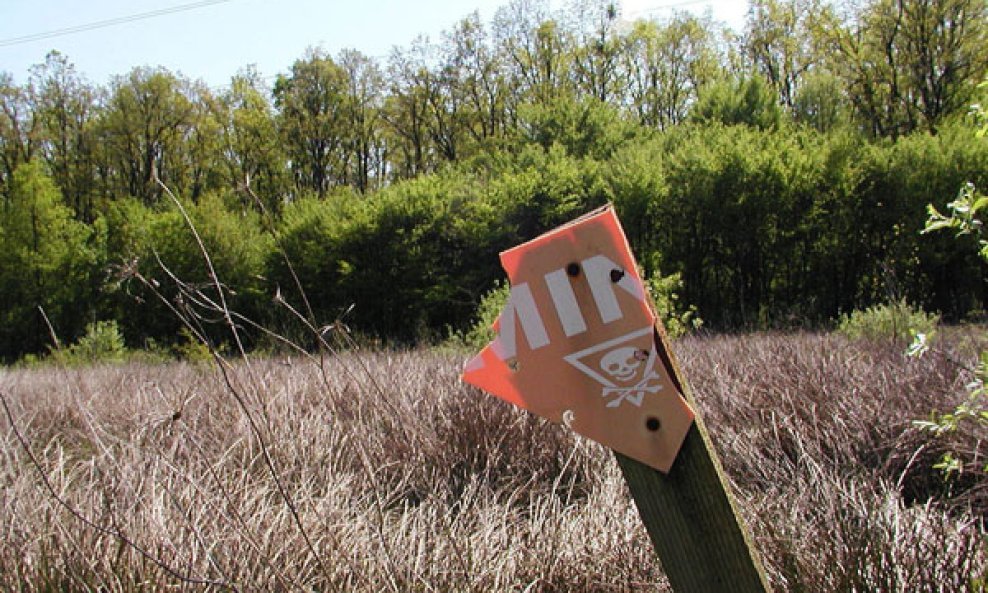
[(965, 217)]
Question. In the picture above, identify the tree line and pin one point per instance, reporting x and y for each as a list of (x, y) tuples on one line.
[(781, 171)]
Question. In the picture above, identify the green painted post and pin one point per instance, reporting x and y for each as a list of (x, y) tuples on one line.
[(689, 513)]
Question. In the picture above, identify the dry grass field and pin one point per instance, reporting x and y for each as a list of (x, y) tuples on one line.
[(381, 472)]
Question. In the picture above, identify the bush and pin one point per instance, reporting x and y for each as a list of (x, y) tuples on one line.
[(966, 217), (102, 343), (896, 322), (171, 260), (49, 264), (190, 349), (677, 318), (481, 332)]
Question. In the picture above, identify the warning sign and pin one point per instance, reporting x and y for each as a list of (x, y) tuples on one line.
[(577, 338), (625, 366)]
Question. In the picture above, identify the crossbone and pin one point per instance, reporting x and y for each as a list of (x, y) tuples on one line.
[(634, 394)]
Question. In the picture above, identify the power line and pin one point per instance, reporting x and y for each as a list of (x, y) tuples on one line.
[(650, 10), (109, 22)]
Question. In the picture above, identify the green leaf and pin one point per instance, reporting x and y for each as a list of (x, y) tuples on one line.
[(948, 464), (980, 203), (928, 426)]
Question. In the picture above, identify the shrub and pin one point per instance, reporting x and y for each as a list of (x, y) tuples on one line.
[(48, 264), (678, 319), (174, 264), (966, 217), (190, 349), (482, 331), (896, 321), (102, 343)]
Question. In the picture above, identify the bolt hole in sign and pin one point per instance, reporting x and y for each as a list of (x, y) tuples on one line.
[(576, 343)]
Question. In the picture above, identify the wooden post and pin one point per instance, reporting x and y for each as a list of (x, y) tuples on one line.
[(689, 513)]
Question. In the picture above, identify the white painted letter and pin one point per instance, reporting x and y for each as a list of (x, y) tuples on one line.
[(598, 271), (520, 306), (565, 301)]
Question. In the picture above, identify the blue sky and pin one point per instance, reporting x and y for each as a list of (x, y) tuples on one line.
[(212, 39)]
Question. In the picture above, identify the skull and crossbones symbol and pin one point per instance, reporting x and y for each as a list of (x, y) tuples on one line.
[(623, 365)]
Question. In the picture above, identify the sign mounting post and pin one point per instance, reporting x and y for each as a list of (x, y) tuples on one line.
[(578, 339)]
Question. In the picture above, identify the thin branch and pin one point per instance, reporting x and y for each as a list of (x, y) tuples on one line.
[(224, 368), (114, 533)]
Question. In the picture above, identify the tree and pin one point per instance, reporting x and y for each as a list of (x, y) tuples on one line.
[(536, 53), (821, 102), (748, 101), (476, 71), (253, 156), (201, 157), (596, 64), (18, 128), (365, 147), (908, 64), (429, 112), (148, 117), (407, 114), (312, 120), (47, 263), (667, 65), (430, 119), (65, 107), (445, 106), (583, 127), (783, 40), (945, 43)]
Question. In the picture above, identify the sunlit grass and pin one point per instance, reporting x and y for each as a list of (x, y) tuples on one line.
[(404, 479)]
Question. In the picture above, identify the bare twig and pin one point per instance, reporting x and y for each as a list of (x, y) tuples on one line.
[(225, 371), (114, 533)]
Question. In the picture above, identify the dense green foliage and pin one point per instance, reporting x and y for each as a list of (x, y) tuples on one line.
[(102, 343), (48, 262), (895, 322), (781, 175), (965, 217)]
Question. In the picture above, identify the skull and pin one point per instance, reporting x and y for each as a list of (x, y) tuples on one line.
[(621, 363)]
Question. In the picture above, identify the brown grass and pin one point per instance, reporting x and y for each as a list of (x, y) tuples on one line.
[(414, 482)]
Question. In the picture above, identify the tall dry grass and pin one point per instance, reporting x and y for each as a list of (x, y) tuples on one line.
[(391, 475)]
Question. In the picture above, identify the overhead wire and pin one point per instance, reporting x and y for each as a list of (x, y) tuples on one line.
[(651, 10), (204, 3), (109, 22)]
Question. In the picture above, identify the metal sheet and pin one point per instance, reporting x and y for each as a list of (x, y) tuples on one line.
[(576, 341)]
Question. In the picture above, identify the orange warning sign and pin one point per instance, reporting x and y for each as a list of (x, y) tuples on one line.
[(577, 340)]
